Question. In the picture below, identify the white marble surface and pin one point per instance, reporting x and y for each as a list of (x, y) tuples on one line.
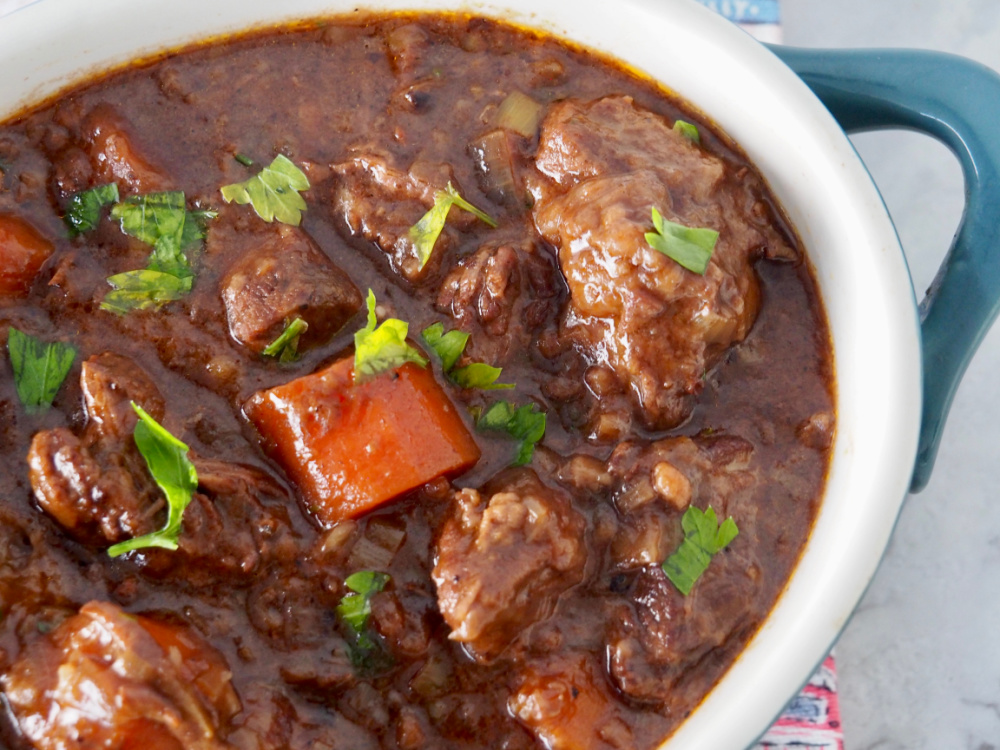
[(920, 661)]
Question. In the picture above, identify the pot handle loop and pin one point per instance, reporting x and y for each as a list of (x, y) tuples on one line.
[(956, 101)]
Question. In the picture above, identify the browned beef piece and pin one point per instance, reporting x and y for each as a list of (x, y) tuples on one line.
[(105, 678), (601, 167), (96, 486), (508, 291), (380, 203), (284, 277), (503, 558), (110, 384), (658, 634), (117, 157), (99, 497)]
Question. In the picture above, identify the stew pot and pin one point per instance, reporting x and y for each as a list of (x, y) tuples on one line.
[(891, 356)]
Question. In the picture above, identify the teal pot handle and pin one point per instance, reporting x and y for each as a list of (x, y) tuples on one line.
[(956, 101)]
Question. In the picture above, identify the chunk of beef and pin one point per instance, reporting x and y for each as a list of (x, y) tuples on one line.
[(117, 157), (108, 679), (380, 203), (23, 250), (97, 496), (110, 383), (284, 277), (96, 486), (507, 291), (602, 166), (657, 633), (503, 559), (566, 702)]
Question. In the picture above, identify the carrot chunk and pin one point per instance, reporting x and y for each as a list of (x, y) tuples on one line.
[(350, 448), (22, 252)]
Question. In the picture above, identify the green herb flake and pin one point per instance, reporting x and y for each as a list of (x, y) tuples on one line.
[(140, 290), (378, 348), (167, 460), (524, 423), (703, 539), (286, 346), (479, 375), (163, 221), (688, 130), (689, 246), (273, 192), (84, 209), (426, 231), (243, 159), (449, 347), (354, 612), (39, 368)]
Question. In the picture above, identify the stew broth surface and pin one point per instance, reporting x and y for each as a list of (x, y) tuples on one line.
[(262, 588)]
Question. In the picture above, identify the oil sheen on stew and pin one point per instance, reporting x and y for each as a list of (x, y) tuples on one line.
[(380, 546)]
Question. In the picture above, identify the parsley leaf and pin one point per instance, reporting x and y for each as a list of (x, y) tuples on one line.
[(39, 368), (383, 347), (84, 209), (163, 221), (479, 375), (691, 247), (426, 231), (449, 347), (273, 192), (525, 423), (688, 130), (139, 290), (286, 346), (354, 611), (703, 538), (166, 457)]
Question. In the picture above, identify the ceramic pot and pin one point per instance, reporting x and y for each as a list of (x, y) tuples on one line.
[(892, 394)]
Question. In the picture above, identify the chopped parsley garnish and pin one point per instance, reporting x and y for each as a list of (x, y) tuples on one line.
[(688, 130), (691, 247), (140, 290), (382, 347), (449, 347), (524, 423), (273, 192), (354, 611), (163, 221), (703, 539), (243, 159), (84, 209), (426, 231), (166, 457), (286, 346), (39, 368)]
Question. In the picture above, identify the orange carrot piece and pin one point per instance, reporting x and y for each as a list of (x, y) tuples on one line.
[(22, 252), (350, 448)]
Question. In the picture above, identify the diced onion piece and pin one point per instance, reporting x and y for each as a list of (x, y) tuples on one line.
[(519, 113), (493, 157)]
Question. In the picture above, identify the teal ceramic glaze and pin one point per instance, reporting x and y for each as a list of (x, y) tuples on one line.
[(956, 101)]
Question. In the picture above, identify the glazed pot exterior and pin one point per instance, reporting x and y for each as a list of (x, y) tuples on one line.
[(813, 171)]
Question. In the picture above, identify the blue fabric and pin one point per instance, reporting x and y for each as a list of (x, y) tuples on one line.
[(746, 11)]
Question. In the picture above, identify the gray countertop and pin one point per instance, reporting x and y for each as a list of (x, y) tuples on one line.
[(919, 663)]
